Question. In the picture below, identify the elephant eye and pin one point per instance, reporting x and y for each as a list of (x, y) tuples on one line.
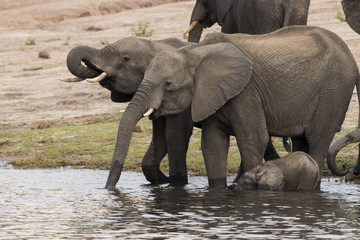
[(168, 83), (126, 59)]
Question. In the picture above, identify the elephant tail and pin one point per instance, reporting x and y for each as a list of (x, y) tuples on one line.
[(351, 137)]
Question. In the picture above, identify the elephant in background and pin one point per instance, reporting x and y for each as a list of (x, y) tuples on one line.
[(297, 171), (120, 68), (247, 16), (352, 13), (233, 85)]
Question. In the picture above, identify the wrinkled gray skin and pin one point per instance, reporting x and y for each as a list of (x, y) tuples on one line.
[(352, 13), (297, 171), (125, 62), (233, 85), (247, 16)]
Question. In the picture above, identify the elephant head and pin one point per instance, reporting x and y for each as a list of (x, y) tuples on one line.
[(267, 176), (201, 78), (205, 14), (119, 66), (352, 13)]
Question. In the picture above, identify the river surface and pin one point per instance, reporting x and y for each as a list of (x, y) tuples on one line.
[(73, 204)]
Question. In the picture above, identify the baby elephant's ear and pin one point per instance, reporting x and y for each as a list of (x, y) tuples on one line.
[(352, 13), (222, 72), (270, 177)]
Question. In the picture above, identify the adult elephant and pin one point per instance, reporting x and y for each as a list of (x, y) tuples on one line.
[(297, 81), (120, 68), (352, 13), (247, 16)]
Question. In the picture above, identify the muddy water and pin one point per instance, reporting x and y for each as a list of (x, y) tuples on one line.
[(72, 204)]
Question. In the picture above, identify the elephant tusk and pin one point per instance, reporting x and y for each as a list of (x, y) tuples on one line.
[(193, 24), (98, 78), (149, 112), (72, 79)]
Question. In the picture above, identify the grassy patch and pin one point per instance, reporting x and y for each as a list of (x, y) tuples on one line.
[(340, 15), (104, 42), (67, 40), (89, 143), (30, 41), (141, 30)]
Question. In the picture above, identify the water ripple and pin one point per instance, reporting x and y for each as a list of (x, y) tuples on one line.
[(72, 204)]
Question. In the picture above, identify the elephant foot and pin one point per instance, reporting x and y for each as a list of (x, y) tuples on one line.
[(154, 175), (178, 180), (114, 175), (218, 183)]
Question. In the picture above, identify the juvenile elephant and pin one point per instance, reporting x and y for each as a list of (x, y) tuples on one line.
[(297, 81), (297, 171), (352, 13), (247, 16), (120, 68)]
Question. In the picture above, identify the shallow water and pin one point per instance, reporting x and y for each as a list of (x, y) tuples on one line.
[(73, 204)]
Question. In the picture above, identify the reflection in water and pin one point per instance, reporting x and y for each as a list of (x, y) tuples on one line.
[(48, 204)]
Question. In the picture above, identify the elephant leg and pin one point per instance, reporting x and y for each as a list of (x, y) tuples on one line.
[(215, 146), (239, 173), (318, 147), (300, 144), (270, 152), (356, 169), (155, 153), (178, 132)]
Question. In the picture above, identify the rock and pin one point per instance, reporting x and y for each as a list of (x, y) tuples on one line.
[(44, 54), (137, 128)]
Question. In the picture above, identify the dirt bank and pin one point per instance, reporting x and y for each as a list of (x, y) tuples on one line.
[(30, 91)]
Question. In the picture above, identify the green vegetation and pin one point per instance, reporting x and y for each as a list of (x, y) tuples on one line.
[(340, 15), (89, 143), (30, 41), (141, 30), (104, 42), (67, 40)]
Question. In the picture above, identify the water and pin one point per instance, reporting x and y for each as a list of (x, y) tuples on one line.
[(73, 204)]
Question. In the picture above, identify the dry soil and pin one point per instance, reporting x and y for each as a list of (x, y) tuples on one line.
[(30, 91)]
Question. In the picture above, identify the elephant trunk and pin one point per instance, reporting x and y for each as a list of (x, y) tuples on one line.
[(86, 55), (133, 113), (195, 33), (351, 137)]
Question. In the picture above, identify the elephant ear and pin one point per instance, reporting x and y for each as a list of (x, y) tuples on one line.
[(352, 13), (222, 71), (270, 177), (119, 97), (222, 8)]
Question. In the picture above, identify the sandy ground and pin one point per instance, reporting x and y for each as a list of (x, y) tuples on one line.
[(30, 91)]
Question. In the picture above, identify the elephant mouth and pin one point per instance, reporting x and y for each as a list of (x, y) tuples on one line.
[(156, 114)]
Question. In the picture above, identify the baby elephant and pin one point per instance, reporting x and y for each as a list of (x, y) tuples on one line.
[(296, 172)]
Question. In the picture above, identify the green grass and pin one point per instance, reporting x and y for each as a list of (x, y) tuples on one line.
[(67, 40), (90, 142), (104, 42), (141, 30), (30, 41), (340, 15)]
